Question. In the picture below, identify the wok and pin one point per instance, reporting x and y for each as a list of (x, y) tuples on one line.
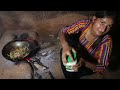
[(32, 48)]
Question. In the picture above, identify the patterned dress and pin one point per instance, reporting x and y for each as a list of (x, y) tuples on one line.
[(102, 52)]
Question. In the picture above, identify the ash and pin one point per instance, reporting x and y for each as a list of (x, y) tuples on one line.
[(43, 62)]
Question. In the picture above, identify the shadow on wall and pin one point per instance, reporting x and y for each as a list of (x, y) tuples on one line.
[(115, 56)]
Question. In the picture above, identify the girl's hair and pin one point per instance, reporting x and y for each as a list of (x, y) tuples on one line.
[(103, 14)]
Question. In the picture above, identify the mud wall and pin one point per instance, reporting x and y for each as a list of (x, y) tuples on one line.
[(41, 21)]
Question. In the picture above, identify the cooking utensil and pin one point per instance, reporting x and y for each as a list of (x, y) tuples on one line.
[(15, 47), (32, 48)]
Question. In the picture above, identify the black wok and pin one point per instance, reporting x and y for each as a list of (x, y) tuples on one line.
[(33, 48)]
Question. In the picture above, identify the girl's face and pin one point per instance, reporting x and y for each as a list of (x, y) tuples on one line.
[(101, 25)]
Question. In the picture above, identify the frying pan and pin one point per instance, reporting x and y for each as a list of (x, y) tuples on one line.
[(32, 48)]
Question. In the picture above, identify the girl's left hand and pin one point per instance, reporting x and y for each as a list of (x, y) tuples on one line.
[(78, 65)]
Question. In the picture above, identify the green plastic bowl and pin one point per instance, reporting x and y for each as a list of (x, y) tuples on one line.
[(74, 57)]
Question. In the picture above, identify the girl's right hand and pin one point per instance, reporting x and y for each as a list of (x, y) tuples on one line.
[(67, 51)]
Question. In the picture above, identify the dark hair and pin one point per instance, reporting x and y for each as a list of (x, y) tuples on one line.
[(103, 14)]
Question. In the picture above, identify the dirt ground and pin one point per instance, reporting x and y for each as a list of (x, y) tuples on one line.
[(47, 24)]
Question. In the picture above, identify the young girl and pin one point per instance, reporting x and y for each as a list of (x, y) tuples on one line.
[(92, 43)]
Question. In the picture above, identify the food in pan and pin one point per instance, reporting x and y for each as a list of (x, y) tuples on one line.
[(19, 53)]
